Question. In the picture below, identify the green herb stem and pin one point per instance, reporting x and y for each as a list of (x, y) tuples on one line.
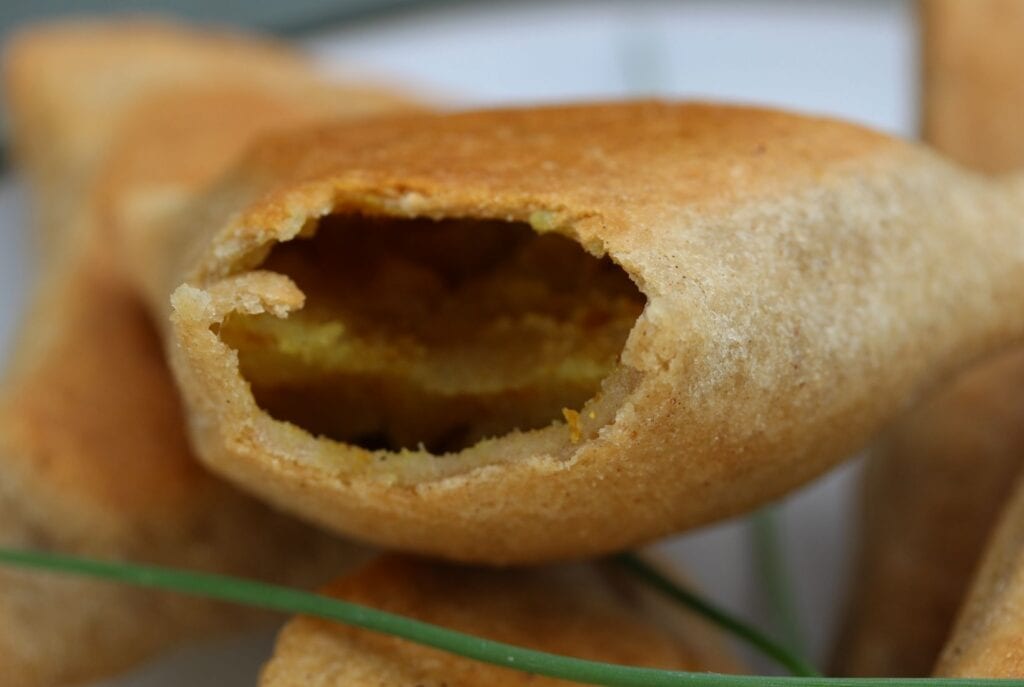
[(283, 599), (720, 617), (770, 564)]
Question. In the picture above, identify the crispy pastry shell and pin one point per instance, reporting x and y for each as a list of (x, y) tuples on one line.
[(804, 280), (585, 610)]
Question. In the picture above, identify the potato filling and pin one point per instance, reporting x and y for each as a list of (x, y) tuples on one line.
[(434, 334)]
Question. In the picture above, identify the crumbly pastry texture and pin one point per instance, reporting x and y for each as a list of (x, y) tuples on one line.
[(803, 281), (583, 610)]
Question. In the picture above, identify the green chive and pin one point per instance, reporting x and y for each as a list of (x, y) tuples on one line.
[(770, 564), (720, 617), (283, 599)]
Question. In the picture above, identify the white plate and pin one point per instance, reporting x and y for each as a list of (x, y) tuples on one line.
[(855, 60)]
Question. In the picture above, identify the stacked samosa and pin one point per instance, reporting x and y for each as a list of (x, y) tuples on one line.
[(520, 335), (121, 121), (93, 451)]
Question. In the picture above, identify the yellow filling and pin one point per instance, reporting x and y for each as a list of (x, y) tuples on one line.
[(434, 334)]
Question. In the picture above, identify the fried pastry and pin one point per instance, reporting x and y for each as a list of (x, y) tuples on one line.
[(537, 334), (94, 456), (988, 639), (937, 482), (933, 491), (584, 610)]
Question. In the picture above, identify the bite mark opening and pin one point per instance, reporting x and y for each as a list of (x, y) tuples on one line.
[(434, 334)]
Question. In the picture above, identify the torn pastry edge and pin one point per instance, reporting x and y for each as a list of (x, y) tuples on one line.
[(228, 280)]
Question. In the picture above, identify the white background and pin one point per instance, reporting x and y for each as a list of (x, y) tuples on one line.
[(855, 60)]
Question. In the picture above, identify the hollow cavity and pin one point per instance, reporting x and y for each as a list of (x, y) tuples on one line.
[(434, 334)]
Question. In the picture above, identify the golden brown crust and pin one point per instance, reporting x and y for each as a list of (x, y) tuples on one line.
[(793, 308), (94, 459), (77, 85), (172, 143), (585, 611), (69, 83), (106, 339), (93, 452)]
